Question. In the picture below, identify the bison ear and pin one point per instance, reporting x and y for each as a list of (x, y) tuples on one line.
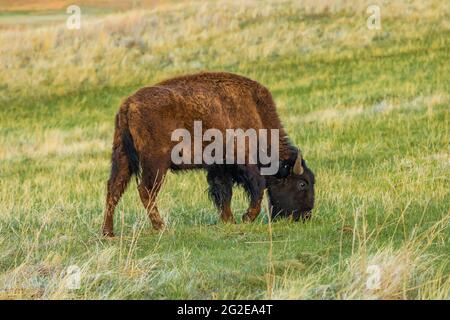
[(298, 168)]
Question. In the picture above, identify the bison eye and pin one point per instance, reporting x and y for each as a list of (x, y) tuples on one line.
[(302, 185)]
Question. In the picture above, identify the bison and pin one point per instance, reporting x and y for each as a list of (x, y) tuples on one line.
[(143, 146)]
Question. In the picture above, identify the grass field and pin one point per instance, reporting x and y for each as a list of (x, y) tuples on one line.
[(369, 108)]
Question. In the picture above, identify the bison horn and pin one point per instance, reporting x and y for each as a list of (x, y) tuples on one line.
[(298, 168)]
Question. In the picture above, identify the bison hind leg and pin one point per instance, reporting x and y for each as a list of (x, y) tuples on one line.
[(119, 177), (152, 179)]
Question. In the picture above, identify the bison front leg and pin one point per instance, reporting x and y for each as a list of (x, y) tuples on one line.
[(221, 191), (254, 185)]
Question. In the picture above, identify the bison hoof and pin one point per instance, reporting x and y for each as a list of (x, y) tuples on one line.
[(159, 226), (228, 220), (108, 234), (247, 218)]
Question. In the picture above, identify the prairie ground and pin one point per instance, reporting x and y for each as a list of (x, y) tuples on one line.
[(369, 109)]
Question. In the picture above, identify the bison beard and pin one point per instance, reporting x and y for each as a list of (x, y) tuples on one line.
[(142, 145)]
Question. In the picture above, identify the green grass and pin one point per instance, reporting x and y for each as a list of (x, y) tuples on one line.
[(372, 121)]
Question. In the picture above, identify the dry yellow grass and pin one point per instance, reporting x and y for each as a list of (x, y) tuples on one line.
[(54, 60), (58, 5)]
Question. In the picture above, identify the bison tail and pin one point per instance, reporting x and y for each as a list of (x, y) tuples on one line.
[(126, 141), (130, 150)]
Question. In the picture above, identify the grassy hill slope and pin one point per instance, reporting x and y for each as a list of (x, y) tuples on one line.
[(369, 108)]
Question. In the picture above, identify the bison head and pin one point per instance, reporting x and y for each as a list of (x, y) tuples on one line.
[(291, 191)]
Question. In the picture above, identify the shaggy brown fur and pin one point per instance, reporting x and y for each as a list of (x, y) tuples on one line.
[(142, 139)]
